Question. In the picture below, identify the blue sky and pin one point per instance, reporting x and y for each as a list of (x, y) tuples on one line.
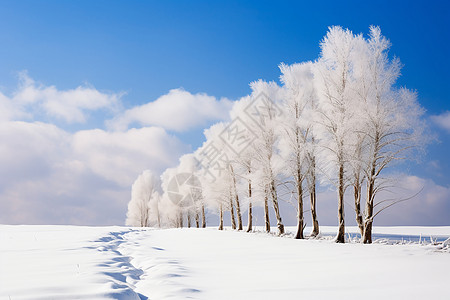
[(137, 51)]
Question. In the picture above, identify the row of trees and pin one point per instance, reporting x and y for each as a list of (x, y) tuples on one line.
[(339, 121)]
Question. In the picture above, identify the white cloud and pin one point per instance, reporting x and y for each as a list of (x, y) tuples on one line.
[(50, 175), (178, 110), (72, 106), (30, 150), (429, 206), (53, 176), (442, 120), (121, 156), (9, 111)]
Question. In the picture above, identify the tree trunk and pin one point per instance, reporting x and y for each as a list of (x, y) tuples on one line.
[(300, 224), (180, 219), (299, 181), (238, 205), (312, 197), (203, 216), (221, 217), (340, 238), (280, 225), (189, 220), (144, 215), (359, 218), (233, 220), (250, 216), (197, 219), (316, 230), (238, 212), (266, 211), (158, 215), (367, 237)]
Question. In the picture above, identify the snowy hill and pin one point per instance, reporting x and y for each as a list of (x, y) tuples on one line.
[(69, 262)]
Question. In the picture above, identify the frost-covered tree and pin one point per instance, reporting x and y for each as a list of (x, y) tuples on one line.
[(243, 155), (356, 165), (155, 210), (296, 145), (311, 179), (217, 175), (173, 209), (392, 122), (189, 165), (182, 187), (335, 84), (144, 196), (237, 201), (266, 113), (368, 123)]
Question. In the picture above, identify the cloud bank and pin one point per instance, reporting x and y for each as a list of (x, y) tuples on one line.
[(178, 110), (51, 175), (429, 204), (33, 100)]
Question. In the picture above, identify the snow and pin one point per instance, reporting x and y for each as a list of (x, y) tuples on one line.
[(399, 230), (63, 262), (70, 262), (395, 233)]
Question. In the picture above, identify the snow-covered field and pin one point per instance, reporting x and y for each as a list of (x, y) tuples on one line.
[(69, 262)]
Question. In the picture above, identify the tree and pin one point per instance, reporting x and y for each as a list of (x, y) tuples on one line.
[(242, 156), (144, 194), (296, 134), (189, 165), (333, 74), (217, 174), (183, 188), (236, 196), (266, 114), (392, 122), (311, 179), (171, 199), (356, 164), (155, 210)]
